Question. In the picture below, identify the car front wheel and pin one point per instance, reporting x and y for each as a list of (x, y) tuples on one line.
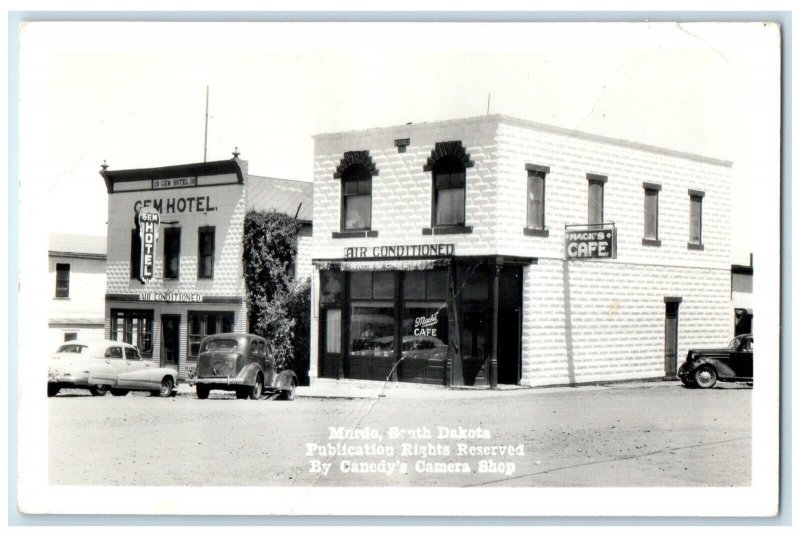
[(98, 391), (291, 393), (257, 390), (166, 388), (202, 391), (705, 377)]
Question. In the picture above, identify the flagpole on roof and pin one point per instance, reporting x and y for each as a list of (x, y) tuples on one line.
[(205, 136)]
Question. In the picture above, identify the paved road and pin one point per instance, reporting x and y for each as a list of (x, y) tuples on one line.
[(648, 435)]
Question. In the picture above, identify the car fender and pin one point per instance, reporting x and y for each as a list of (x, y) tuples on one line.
[(249, 373), (283, 380), (150, 377), (723, 370)]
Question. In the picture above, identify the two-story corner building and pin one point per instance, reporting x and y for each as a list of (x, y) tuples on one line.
[(77, 268), (175, 252), (496, 250)]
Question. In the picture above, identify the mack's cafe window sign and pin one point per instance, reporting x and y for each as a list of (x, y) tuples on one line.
[(583, 243), (148, 220)]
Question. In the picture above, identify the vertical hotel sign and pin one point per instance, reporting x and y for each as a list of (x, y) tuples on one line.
[(148, 220)]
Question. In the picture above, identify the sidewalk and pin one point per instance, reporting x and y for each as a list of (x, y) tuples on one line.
[(367, 389), (364, 389)]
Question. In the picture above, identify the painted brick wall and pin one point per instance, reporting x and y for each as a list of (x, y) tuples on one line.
[(401, 192), (566, 196), (609, 317)]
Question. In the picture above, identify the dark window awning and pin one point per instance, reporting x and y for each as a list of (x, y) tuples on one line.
[(382, 264)]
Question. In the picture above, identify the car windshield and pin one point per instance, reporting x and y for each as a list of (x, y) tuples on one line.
[(73, 348), (227, 345)]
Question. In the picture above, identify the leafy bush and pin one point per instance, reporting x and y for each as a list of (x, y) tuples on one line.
[(278, 308)]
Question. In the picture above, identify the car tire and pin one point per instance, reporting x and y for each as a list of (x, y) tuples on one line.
[(98, 391), (257, 389), (291, 393), (118, 392), (52, 391), (202, 391), (166, 388), (705, 377), (688, 383)]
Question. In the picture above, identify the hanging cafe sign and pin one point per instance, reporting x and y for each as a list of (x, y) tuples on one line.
[(148, 220), (581, 243)]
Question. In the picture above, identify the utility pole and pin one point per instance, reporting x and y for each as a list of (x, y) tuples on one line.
[(488, 101), (205, 137)]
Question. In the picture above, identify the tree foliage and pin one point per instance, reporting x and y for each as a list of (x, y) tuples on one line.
[(279, 308)]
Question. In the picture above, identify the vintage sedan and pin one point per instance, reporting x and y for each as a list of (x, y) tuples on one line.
[(242, 363), (103, 366), (704, 367)]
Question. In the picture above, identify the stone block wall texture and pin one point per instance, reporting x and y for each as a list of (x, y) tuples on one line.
[(583, 320), (228, 220)]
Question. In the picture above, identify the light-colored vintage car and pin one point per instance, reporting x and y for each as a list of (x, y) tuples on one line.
[(102, 366), (242, 363)]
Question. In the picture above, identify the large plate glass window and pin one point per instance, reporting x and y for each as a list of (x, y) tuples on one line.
[(206, 323)]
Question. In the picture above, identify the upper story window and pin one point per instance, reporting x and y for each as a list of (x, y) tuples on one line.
[(650, 236), (136, 253), (205, 252), (449, 183), (357, 199), (596, 194), (62, 280), (172, 252), (536, 184), (696, 219), (356, 170), (448, 163)]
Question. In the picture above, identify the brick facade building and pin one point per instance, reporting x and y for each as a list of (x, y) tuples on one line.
[(195, 285), (496, 250)]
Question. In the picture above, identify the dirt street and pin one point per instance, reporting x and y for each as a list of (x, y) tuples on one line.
[(657, 434)]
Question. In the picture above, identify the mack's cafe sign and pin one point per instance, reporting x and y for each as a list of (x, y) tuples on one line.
[(581, 243)]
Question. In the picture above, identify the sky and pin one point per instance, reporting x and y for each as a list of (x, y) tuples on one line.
[(133, 94)]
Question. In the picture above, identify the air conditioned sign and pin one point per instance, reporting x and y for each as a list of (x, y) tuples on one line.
[(590, 244), (401, 251), (148, 220)]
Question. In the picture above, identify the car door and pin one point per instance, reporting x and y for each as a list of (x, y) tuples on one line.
[(107, 370), (135, 375), (268, 363)]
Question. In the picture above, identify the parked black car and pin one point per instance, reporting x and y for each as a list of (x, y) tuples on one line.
[(242, 363), (704, 367)]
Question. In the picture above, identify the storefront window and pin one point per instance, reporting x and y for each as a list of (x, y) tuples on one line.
[(202, 324), (371, 341), (134, 327)]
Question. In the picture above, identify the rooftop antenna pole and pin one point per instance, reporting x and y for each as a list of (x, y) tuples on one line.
[(488, 101), (205, 136)]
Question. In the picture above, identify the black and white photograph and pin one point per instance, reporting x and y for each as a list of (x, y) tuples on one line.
[(399, 268)]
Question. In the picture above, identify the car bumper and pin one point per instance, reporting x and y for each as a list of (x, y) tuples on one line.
[(66, 381), (217, 381)]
